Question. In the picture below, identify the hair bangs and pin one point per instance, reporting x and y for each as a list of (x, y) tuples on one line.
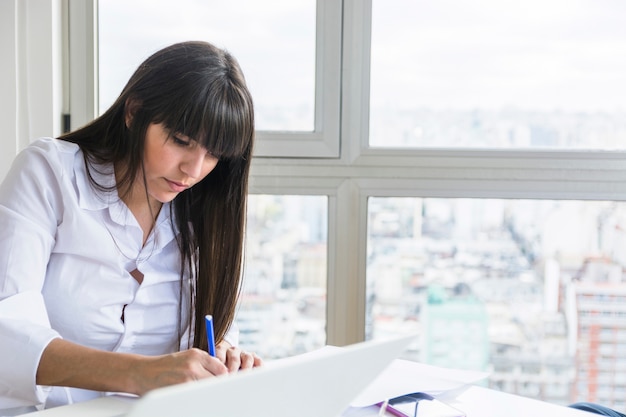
[(220, 118)]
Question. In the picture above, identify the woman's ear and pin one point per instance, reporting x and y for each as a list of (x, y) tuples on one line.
[(130, 108)]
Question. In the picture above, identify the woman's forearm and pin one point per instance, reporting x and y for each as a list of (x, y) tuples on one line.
[(67, 364), (64, 363)]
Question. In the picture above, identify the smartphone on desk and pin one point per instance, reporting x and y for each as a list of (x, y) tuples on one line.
[(420, 405)]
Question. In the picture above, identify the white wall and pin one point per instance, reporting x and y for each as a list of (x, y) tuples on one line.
[(30, 74)]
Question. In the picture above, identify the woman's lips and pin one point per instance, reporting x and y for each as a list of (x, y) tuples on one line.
[(177, 186)]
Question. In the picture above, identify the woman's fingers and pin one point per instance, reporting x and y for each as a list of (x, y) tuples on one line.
[(185, 366), (233, 359), (237, 359), (189, 365), (250, 360)]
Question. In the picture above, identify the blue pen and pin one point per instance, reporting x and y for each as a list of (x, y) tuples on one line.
[(210, 336)]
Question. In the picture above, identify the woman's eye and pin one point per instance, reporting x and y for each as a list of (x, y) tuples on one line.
[(182, 142)]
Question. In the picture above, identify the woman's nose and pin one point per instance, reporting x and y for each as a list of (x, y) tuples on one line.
[(193, 164)]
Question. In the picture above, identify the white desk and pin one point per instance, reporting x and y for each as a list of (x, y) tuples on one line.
[(475, 402), (482, 402)]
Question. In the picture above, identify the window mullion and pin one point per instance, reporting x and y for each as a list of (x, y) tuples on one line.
[(346, 281), (83, 61)]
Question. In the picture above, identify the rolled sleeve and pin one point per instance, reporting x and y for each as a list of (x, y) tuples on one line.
[(24, 334)]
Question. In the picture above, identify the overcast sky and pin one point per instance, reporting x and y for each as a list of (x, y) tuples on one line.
[(532, 54), (274, 41)]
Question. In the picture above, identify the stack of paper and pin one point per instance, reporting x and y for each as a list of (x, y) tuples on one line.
[(403, 377)]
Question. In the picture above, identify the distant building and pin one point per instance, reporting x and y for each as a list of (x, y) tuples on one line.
[(599, 309), (455, 327), (539, 370)]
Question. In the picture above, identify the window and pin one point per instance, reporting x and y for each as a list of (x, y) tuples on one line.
[(445, 175), (283, 303), (498, 74), (450, 264), (280, 63), (285, 48)]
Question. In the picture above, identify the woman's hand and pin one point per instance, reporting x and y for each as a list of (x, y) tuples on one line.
[(235, 359), (188, 365)]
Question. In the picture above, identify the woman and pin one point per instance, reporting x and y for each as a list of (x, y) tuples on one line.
[(118, 238)]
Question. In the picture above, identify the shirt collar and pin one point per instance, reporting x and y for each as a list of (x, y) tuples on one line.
[(92, 198), (89, 196)]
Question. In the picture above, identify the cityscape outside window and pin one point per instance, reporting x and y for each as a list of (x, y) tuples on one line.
[(283, 303), (532, 291)]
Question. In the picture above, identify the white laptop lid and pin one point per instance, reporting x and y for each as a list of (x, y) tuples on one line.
[(318, 384)]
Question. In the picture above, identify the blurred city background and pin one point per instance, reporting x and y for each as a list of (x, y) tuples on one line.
[(532, 291)]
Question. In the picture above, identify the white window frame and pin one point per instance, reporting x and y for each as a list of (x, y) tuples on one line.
[(82, 61), (351, 173), (322, 142), (362, 172)]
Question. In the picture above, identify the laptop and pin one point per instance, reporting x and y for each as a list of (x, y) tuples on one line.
[(316, 384)]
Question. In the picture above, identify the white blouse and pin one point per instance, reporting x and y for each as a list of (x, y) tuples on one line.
[(66, 253)]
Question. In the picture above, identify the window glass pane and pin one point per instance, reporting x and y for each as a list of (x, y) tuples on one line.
[(498, 74), (532, 291), (274, 42), (283, 304)]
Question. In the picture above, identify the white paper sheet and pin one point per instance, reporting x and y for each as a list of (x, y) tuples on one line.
[(403, 377)]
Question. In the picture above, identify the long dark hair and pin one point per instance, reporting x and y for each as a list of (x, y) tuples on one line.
[(196, 89)]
